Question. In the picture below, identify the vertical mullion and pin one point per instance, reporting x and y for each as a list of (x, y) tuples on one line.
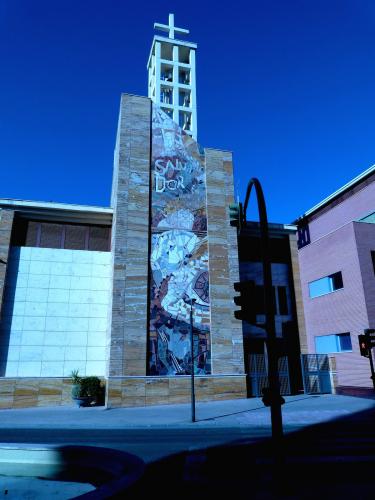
[(87, 237), (38, 234), (63, 234)]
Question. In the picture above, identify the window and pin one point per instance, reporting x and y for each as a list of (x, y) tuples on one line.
[(184, 76), (185, 120), (166, 95), (259, 300), (75, 237), (373, 259), (50, 236), (339, 342), (345, 342), (68, 236), (184, 98), (283, 301), (166, 51), (166, 73), (303, 236), (168, 112), (99, 238), (184, 55), (326, 285), (260, 306)]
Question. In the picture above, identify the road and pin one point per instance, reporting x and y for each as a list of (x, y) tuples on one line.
[(331, 458), (149, 444)]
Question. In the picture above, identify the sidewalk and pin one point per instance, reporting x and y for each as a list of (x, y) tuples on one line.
[(298, 411)]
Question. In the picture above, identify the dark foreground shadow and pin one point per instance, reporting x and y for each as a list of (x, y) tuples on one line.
[(324, 461), (333, 460)]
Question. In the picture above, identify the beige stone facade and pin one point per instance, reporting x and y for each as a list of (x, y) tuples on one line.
[(227, 339), (127, 384), (145, 391), (6, 223), (298, 294), (130, 239), (28, 392), (123, 391)]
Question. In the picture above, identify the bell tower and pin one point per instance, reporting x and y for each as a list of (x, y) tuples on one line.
[(171, 76)]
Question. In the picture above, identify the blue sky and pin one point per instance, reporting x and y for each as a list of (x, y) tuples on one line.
[(288, 86)]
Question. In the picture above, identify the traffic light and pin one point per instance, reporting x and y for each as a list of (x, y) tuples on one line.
[(363, 348), (370, 337), (245, 301), (235, 214)]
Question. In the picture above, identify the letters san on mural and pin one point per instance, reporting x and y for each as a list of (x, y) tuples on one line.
[(179, 252)]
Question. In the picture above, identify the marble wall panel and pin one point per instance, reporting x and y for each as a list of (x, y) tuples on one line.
[(48, 318)]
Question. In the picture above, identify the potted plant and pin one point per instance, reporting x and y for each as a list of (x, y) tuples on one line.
[(93, 388), (78, 390), (86, 390)]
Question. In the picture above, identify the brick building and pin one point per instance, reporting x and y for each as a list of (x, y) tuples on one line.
[(336, 241)]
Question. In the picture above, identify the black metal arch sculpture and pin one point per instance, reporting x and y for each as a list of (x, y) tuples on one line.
[(272, 396)]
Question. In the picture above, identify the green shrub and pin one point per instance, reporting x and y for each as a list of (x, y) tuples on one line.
[(92, 387)]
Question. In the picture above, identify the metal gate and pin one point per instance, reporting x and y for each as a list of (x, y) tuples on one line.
[(258, 374), (316, 374)]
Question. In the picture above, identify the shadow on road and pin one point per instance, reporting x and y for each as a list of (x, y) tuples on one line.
[(217, 417), (325, 461)]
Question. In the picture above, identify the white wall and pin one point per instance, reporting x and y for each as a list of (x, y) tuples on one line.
[(56, 312)]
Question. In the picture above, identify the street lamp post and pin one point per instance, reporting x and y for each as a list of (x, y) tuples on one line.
[(192, 362)]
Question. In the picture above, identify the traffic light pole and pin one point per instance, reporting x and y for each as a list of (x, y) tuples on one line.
[(372, 368), (369, 335), (274, 398)]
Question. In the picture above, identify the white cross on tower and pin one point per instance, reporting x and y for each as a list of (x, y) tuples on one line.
[(170, 28)]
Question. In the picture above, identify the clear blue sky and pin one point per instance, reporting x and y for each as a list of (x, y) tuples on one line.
[(288, 86)]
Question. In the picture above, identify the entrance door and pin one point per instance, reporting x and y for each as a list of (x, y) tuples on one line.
[(258, 375), (316, 374)]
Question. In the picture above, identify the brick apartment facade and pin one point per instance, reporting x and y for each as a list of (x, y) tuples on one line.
[(336, 247)]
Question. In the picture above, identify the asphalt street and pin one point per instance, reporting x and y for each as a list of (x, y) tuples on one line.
[(148, 444), (328, 450), (158, 431)]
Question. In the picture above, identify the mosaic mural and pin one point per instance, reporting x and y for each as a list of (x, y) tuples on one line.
[(179, 252)]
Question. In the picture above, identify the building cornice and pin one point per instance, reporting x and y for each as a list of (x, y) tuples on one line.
[(336, 194), (59, 212)]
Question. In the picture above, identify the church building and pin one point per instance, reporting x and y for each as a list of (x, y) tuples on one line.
[(113, 291)]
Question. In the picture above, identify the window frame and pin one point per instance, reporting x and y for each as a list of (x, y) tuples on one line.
[(337, 342), (87, 229), (330, 277)]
